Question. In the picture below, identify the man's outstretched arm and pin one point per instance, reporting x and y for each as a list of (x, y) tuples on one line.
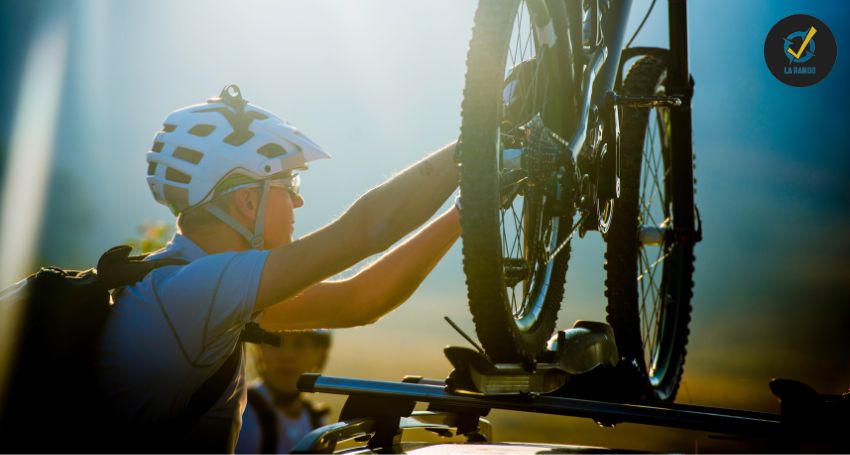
[(407, 200), (374, 222), (374, 291)]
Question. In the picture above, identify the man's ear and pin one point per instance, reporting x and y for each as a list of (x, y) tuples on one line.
[(245, 203)]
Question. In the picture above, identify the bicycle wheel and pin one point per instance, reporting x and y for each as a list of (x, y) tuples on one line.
[(649, 281), (514, 96)]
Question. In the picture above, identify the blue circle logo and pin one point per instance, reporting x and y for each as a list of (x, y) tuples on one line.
[(807, 54)]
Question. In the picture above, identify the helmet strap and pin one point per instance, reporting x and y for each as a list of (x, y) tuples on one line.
[(259, 224), (255, 239)]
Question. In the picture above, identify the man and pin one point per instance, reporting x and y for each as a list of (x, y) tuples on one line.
[(278, 415), (227, 170)]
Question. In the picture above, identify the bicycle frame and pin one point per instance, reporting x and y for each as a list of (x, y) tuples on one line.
[(602, 64), (602, 75)]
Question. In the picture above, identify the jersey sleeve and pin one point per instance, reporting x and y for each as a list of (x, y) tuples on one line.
[(207, 302)]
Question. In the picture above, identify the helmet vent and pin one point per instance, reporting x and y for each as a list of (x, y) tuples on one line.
[(239, 137), (202, 130), (239, 121), (157, 147), (176, 176), (151, 168), (271, 150), (188, 155), (168, 127), (234, 111)]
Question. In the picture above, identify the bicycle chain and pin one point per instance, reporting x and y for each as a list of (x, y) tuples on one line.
[(564, 243), (560, 247), (559, 139), (551, 256)]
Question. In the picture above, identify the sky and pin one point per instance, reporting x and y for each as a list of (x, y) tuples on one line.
[(378, 84)]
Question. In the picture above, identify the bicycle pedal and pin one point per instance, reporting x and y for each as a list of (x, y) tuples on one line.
[(590, 223)]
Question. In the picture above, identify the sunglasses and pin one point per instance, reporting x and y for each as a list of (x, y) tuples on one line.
[(291, 183)]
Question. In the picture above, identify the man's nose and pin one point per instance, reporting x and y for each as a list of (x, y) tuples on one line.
[(297, 200)]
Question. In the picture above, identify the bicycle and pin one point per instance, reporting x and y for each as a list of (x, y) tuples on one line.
[(555, 142)]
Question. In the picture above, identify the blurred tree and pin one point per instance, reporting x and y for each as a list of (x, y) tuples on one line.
[(153, 235)]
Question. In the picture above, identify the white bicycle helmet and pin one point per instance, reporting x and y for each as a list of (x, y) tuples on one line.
[(204, 148)]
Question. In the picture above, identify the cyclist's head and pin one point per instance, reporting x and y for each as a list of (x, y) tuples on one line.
[(206, 153), (299, 352)]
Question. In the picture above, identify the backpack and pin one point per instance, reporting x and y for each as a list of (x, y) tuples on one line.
[(51, 380), (51, 401)]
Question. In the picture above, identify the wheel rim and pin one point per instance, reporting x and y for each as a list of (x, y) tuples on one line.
[(528, 231)]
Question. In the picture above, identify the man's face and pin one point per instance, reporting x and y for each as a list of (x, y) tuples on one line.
[(280, 216), (298, 353)]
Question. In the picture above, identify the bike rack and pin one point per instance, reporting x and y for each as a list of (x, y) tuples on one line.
[(377, 412), (578, 375)]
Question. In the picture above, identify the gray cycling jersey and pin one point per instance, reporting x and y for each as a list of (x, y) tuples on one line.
[(170, 332)]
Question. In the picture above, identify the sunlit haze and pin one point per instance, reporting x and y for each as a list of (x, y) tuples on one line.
[(379, 83)]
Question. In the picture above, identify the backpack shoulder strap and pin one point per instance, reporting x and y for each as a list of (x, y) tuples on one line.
[(267, 416), (116, 268)]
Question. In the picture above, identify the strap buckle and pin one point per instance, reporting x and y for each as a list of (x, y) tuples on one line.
[(253, 333)]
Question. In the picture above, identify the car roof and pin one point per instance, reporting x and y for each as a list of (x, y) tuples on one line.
[(422, 448)]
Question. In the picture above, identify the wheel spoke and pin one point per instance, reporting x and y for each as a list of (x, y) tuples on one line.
[(662, 137), (642, 312), (516, 248), (514, 243), (518, 234), (519, 46), (644, 171), (650, 169), (649, 272), (651, 291), (652, 322), (516, 34), (655, 188), (654, 173), (505, 252), (647, 213), (650, 326), (526, 227), (650, 267), (509, 244), (648, 286), (644, 206), (653, 165)]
